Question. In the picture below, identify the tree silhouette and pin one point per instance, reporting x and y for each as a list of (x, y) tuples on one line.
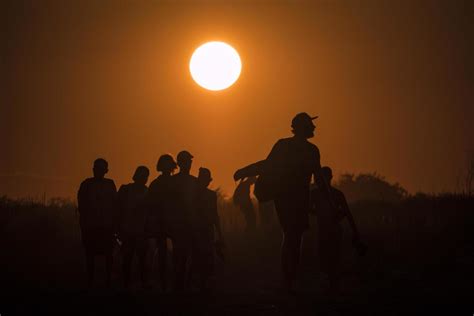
[(369, 186)]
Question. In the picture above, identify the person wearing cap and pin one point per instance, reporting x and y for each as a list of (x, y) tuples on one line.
[(207, 232), (291, 164), (97, 202), (132, 198), (184, 193), (159, 208)]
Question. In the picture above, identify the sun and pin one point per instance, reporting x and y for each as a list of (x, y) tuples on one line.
[(215, 66)]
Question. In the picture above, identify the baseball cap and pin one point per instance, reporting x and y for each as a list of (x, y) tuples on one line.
[(302, 118)]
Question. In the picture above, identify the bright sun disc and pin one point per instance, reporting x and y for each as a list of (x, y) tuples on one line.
[(215, 66)]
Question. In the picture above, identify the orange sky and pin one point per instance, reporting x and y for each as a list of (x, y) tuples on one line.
[(392, 85)]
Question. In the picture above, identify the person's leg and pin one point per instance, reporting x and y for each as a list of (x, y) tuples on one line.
[(194, 269), (285, 257), (109, 260), (88, 244), (209, 282), (175, 255), (150, 258), (90, 267), (162, 260), (127, 249), (180, 271), (179, 256), (141, 250), (334, 282), (297, 251), (208, 260), (108, 243), (290, 256), (334, 269), (199, 263)]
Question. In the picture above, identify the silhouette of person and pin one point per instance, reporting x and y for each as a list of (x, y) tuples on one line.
[(97, 202), (131, 198), (293, 162), (242, 199), (184, 191), (329, 229), (159, 204), (206, 228)]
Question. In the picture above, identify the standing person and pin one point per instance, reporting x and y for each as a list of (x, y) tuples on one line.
[(159, 201), (184, 190), (242, 199), (207, 231), (133, 210), (97, 200), (291, 164), (330, 230)]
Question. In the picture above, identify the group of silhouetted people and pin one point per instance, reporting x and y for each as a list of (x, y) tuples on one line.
[(177, 207), (180, 208)]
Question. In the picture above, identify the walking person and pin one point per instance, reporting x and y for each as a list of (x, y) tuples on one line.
[(329, 230), (97, 203), (207, 232), (285, 177), (183, 195), (159, 201), (131, 198)]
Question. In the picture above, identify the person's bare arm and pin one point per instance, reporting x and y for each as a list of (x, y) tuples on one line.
[(249, 171), (256, 168)]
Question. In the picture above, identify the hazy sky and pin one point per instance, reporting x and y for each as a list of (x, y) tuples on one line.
[(392, 82)]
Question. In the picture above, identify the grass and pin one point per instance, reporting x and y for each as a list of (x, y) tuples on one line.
[(421, 252)]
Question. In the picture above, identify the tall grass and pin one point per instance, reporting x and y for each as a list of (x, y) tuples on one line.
[(41, 244)]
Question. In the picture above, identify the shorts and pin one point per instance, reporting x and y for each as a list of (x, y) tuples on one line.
[(292, 214)]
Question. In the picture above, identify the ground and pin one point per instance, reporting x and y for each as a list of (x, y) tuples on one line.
[(248, 283)]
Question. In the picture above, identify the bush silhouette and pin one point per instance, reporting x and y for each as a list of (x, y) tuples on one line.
[(369, 186)]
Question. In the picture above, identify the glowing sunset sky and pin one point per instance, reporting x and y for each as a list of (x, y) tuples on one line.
[(392, 84)]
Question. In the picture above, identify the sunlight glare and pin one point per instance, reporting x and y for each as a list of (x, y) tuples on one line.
[(215, 65)]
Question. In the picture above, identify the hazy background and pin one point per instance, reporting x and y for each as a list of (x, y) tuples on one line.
[(392, 83)]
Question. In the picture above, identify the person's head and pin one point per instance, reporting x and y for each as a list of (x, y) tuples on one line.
[(302, 125), (204, 177), (141, 175), (184, 160), (166, 164), (327, 174), (101, 167)]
